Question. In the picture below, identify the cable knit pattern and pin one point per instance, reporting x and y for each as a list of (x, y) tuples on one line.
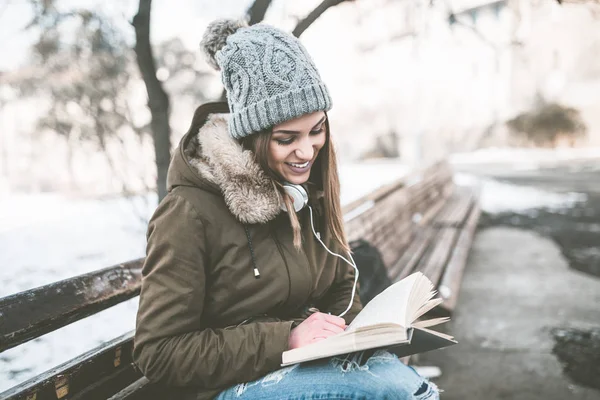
[(269, 78)]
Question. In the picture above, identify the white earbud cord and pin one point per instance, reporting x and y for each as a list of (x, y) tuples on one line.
[(353, 264)]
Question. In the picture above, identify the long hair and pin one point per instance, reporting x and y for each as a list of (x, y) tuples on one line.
[(324, 174)]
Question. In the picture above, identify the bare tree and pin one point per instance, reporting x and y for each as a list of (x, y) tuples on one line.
[(314, 15), (158, 101), (85, 75)]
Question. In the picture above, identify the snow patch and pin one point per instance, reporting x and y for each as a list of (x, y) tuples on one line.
[(524, 158), (497, 197)]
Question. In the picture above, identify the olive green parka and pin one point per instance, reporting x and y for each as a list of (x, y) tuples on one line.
[(205, 321)]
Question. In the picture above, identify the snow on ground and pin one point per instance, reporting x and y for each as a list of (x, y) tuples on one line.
[(497, 197), (524, 158), (46, 238)]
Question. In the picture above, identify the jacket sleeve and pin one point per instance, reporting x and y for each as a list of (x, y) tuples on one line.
[(171, 344), (338, 296)]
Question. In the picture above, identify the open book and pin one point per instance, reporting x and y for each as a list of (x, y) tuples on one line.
[(390, 320)]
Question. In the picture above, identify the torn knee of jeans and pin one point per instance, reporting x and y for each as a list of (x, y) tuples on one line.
[(427, 391), (350, 362), (382, 356), (424, 387)]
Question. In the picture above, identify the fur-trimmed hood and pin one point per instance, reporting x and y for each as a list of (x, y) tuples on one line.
[(212, 160)]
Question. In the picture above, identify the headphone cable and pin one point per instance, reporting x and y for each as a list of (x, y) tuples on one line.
[(353, 264)]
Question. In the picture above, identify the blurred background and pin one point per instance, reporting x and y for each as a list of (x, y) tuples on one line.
[(507, 90)]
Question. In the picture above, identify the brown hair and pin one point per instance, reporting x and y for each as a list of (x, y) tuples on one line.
[(324, 174)]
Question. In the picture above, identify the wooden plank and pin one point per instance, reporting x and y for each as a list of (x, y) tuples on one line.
[(438, 170), (137, 390), (373, 225), (142, 389), (450, 284), (107, 368), (103, 387), (393, 245), (374, 196), (433, 264), (32, 313), (457, 210), (412, 255), (432, 212), (389, 223)]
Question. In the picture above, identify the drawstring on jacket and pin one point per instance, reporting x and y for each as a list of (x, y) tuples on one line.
[(256, 271)]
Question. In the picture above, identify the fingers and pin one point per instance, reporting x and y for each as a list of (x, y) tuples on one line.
[(317, 327), (329, 327), (324, 326), (335, 320)]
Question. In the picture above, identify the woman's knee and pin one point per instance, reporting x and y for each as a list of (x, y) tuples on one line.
[(399, 381)]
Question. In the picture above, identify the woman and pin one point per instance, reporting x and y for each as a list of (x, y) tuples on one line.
[(237, 266)]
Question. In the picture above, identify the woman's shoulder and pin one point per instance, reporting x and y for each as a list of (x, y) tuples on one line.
[(193, 202)]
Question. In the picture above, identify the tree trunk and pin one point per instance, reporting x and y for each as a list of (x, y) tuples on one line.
[(314, 15), (158, 101)]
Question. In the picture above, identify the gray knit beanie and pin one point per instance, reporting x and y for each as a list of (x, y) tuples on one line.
[(267, 73)]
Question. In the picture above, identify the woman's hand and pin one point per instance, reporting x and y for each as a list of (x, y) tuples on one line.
[(314, 328)]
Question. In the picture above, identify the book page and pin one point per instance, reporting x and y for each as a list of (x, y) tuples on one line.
[(430, 322), (390, 306), (430, 304)]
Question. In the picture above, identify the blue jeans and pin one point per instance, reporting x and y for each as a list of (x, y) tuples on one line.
[(382, 376)]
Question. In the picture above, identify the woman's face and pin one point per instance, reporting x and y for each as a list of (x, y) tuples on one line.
[(294, 146)]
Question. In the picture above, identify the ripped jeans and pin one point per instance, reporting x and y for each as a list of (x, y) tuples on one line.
[(382, 376)]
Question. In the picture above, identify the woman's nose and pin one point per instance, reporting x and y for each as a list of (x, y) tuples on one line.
[(305, 150)]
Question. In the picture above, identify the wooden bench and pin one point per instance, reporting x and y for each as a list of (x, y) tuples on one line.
[(421, 222)]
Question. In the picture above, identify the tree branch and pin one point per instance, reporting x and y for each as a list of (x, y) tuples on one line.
[(257, 11), (314, 15), (158, 101)]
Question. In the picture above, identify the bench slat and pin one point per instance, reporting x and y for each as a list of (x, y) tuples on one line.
[(396, 241), (433, 264), (102, 388), (137, 390), (457, 211), (450, 283), (74, 376), (35, 312), (412, 255)]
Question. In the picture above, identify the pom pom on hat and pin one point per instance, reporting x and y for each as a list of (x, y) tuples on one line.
[(215, 37)]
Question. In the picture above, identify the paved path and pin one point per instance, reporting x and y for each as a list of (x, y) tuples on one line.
[(517, 287)]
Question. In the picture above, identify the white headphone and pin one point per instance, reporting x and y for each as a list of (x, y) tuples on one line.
[(298, 194)]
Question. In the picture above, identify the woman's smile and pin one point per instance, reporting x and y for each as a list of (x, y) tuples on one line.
[(300, 168)]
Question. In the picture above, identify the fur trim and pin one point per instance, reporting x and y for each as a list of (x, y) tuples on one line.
[(249, 193), (215, 38)]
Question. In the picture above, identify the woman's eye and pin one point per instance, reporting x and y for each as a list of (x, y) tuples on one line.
[(284, 141), (317, 131)]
